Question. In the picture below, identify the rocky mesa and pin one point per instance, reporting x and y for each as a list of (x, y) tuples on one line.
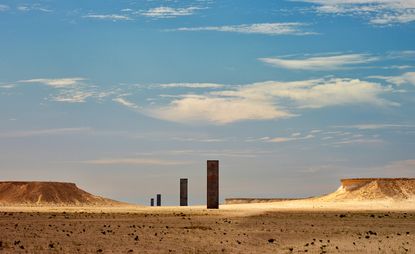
[(398, 189), (354, 189), (49, 194)]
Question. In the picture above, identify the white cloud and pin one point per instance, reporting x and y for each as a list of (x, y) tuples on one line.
[(315, 131), (398, 67), (113, 17), (136, 161), (270, 100), (400, 16), (244, 153), (260, 28), (202, 140), (126, 103), (315, 93), (191, 85), (289, 139), (57, 83), (79, 94), (405, 54), (251, 139), (406, 78), (33, 7), (7, 86), (4, 7), (320, 62), (378, 12), (44, 132), (169, 12), (71, 90), (359, 141), (375, 126), (193, 108), (72, 96)]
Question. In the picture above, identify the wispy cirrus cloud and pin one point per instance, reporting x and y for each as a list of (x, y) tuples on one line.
[(356, 135), (378, 12), (125, 102), (80, 94), (227, 104), (45, 132), (4, 7), (191, 85), (136, 161), (57, 82), (375, 126), (328, 62), (169, 12), (315, 93), (32, 7), (112, 17), (72, 95), (359, 141), (405, 78), (289, 139), (70, 90), (270, 100), (7, 86), (289, 28), (404, 54)]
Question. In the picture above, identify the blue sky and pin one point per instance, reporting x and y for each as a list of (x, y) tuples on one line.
[(126, 97)]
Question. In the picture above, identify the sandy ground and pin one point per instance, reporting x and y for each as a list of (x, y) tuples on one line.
[(281, 227)]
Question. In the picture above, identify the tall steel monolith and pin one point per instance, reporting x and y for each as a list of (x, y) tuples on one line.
[(183, 191), (212, 184), (158, 199)]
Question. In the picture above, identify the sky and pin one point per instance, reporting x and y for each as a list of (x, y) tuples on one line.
[(126, 97)]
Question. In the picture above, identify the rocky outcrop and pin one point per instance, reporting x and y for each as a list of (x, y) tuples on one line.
[(49, 193), (358, 189), (373, 189), (229, 201)]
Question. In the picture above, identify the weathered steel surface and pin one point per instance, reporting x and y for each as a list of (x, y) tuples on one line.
[(183, 192), (158, 199), (212, 184)]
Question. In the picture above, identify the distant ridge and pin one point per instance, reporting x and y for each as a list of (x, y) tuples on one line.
[(257, 200), (358, 189), (49, 193), (373, 189)]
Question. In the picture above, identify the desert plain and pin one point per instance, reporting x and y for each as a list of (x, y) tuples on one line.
[(324, 224), (197, 230)]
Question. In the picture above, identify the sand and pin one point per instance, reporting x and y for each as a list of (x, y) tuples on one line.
[(350, 220), (232, 229)]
